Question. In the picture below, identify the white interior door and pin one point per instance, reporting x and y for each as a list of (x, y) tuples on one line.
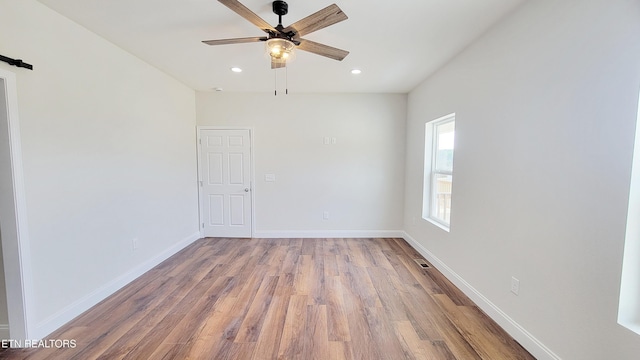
[(225, 170)]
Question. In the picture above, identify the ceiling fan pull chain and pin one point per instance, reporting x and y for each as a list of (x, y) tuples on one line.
[(275, 82), (286, 80)]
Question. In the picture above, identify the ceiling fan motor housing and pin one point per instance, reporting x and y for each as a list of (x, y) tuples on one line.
[(280, 8)]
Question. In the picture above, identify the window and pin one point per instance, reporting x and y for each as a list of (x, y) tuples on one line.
[(438, 178), (629, 302)]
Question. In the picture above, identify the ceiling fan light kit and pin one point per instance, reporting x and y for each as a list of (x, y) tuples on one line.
[(280, 51), (282, 41)]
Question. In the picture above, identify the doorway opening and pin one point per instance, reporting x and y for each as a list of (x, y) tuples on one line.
[(13, 229)]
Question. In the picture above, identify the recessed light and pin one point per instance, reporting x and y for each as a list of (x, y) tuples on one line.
[(236, 69), (356, 71), (218, 89)]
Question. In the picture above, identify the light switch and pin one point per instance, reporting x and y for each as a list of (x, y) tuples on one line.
[(269, 177)]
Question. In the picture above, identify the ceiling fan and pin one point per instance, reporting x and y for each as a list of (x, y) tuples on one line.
[(281, 41)]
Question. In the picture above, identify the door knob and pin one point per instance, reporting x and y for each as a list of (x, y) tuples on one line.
[(246, 189)]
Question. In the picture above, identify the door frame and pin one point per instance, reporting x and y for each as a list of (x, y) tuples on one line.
[(251, 175), (16, 249)]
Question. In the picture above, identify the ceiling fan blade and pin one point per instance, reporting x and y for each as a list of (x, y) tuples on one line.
[(321, 49), (275, 64), (235, 41), (318, 20), (243, 11)]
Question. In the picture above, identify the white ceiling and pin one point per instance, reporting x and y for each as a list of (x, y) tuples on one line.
[(396, 43)]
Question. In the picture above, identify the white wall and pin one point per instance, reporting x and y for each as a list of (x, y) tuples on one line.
[(546, 107), (358, 180), (108, 146)]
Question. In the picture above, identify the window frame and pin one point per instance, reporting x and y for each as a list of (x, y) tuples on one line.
[(629, 295), (431, 172)]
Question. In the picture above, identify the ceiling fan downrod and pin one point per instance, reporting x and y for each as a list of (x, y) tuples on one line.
[(280, 8)]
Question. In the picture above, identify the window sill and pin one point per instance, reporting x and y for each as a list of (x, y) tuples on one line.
[(631, 325), (438, 224)]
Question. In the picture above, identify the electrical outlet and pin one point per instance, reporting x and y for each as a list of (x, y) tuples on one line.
[(515, 285), (325, 215), (135, 244)]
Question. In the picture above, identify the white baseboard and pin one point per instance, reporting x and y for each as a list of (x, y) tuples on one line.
[(528, 341), (288, 234), (65, 315), (4, 331)]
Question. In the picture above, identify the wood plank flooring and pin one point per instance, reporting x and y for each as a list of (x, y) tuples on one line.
[(361, 299)]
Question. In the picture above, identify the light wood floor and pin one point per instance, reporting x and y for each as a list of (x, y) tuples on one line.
[(305, 299)]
